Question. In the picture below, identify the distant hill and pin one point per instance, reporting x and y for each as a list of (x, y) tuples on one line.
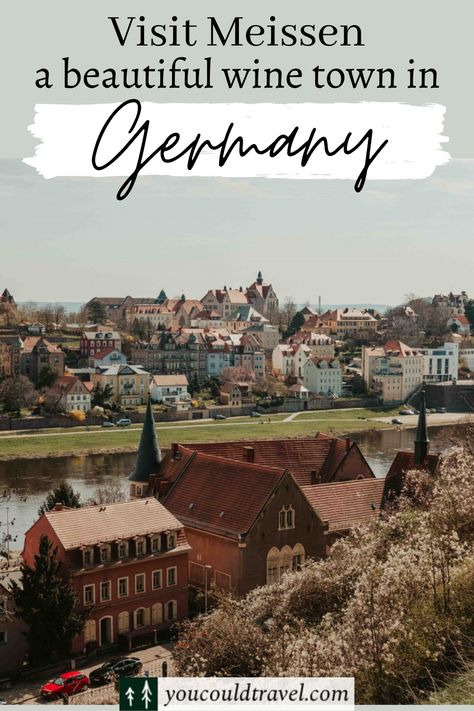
[(330, 307), (70, 306)]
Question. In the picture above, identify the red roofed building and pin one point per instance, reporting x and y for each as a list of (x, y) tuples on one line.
[(247, 523), (128, 564)]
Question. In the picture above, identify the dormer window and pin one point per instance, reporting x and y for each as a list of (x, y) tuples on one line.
[(172, 539), (156, 544), (140, 546), (123, 550), (105, 554), (286, 518), (88, 556)]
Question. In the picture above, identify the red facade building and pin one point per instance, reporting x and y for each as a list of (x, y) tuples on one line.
[(128, 564)]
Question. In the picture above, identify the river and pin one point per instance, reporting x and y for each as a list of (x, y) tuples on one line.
[(25, 483)]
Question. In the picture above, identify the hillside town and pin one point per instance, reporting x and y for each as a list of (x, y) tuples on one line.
[(201, 518)]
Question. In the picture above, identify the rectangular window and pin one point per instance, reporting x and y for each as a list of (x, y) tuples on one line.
[(140, 583), (123, 587), (140, 544), (105, 591), (157, 579), (105, 554), (87, 556), (156, 544), (89, 594), (171, 576), (123, 550)]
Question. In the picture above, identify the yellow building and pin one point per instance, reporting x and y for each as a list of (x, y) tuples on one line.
[(350, 323), (394, 370), (130, 383)]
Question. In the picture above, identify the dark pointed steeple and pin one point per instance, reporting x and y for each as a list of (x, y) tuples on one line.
[(259, 279), (161, 298), (149, 453), (422, 442)]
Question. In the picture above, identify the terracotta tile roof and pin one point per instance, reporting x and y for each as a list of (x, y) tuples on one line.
[(461, 319), (401, 349), (405, 462), (345, 504), (94, 524), (305, 458), (221, 495), (102, 354), (163, 380)]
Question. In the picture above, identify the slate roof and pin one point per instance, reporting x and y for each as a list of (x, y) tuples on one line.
[(149, 453), (110, 522), (220, 495)]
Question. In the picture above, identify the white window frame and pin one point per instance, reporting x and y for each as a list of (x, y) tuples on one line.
[(172, 540), (92, 586), (153, 586), (140, 541), (135, 615), (155, 544), (105, 548), (119, 594), (168, 584), (122, 543), (90, 550), (102, 598), (140, 575)]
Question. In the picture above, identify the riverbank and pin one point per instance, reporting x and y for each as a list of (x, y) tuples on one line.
[(109, 441)]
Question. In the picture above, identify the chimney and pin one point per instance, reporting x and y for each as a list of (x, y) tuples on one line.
[(249, 454)]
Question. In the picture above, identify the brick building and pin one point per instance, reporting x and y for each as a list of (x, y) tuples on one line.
[(94, 342), (128, 564)]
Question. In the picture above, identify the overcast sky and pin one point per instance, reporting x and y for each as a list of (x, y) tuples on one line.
[(69, 239)]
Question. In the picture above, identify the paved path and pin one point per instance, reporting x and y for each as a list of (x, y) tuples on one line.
[(433, 419)]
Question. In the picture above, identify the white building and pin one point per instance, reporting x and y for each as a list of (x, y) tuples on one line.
[(110, 356), (459, 323), (289, 360), (170, 389), (75, 395), (394, 370), (441, 364), (323, 376)]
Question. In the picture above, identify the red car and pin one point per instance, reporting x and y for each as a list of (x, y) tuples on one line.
[(65, 685)]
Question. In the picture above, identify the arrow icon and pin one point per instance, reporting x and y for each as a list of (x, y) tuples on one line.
[(146, 694), (130, 694)]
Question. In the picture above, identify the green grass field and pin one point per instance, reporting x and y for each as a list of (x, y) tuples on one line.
[(81, 441)]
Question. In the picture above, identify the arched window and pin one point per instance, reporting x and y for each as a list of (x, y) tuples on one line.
[(139, 618), (123, 622), (272, 565), (285, 560), (298, 557), (89, 631), (157, 613), (286, 518), (171, 610)]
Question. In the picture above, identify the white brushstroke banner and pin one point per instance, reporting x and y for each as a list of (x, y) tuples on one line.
[(354, 141)]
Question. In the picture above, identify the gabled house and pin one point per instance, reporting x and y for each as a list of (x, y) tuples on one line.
[(93, 342), (247, 523), (323, 376), (129, 383), (170, 389), (75, 396), (262, 296), (128, 564)]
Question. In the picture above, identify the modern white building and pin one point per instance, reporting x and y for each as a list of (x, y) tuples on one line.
[(170, 389), (441, 364)]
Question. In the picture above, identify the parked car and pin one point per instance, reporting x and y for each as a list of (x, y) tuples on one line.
[(115, 668), (218, 417), (124, 422), (108, 423), (396, 421), (441, 409), (255, 414), (67, 684), (406, 412)]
